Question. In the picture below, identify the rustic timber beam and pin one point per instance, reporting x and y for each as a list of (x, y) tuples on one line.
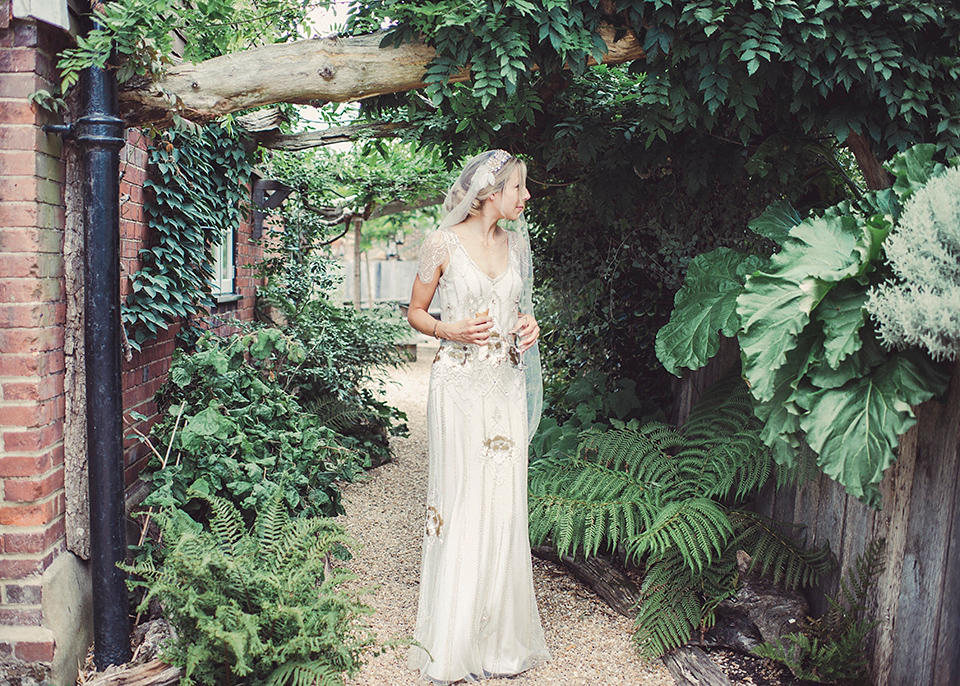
[(338, 134), (304, 72)]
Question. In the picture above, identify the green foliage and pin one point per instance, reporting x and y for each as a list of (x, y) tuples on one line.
[(830, 649), (196, 193), (261, 604), (136, 37), (244, 437), (669, 499), (920, 307), (812, 361), (589, 401)]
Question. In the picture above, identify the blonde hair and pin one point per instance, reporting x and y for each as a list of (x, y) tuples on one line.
[(474, 166)]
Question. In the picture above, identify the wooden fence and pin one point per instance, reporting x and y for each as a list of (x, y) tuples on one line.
[(917, 598)]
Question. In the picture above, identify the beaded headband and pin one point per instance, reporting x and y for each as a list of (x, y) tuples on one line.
[(491, 166), (496, 160)]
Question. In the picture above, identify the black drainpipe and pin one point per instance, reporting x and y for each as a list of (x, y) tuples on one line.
[(100, 133)]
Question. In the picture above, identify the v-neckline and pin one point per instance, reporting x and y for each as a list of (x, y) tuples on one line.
[(493, 279)]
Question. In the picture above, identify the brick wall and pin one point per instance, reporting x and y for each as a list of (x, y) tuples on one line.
[(32, 313), (146, 370), (32, 320)]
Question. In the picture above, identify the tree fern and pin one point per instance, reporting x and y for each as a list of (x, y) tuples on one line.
[(776, 556), (669, 499)]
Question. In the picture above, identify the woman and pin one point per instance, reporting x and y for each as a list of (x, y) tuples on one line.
[(478, 614)]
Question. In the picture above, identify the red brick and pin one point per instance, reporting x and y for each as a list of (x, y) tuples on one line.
[(17, 162), (21, 567), (33, 389), (28, 490), (16, 465), (19, 542), (17, 112), (17, 85), (31, 415), (18, 60), (31, 340), (20, 617), (19, 265), (25, 35), (30, 239), (23, 594), (27, 290), (33, 514), (31, 364), (35, 652), (26, 315), (32, 439)]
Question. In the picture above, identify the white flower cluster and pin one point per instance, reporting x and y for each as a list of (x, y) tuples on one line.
[(922, 306)]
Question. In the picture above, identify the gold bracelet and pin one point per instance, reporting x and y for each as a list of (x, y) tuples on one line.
[(436, 324)]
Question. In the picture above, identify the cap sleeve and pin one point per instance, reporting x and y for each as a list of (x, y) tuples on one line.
[(433, 253)]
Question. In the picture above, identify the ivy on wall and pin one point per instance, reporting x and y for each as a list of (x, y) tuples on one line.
[(195, 194)]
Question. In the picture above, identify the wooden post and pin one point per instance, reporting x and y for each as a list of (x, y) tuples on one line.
[(357, 254)]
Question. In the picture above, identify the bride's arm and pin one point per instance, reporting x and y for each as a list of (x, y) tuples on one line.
[(475, 330)]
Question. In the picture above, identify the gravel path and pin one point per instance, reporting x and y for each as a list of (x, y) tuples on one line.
[(590, 644)]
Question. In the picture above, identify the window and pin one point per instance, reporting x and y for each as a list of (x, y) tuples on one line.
[(223, 264)]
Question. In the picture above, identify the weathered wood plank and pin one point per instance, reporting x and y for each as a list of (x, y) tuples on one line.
[(946, 648), (932, 496), (891, 524)]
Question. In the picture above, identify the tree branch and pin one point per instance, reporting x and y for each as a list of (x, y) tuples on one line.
[(315, 139), (305, 72)]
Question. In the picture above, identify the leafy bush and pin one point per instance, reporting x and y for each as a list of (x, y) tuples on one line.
[(669, 499), (812, 360), (921, 305), (245, 437), (584, 403), (262, 605)]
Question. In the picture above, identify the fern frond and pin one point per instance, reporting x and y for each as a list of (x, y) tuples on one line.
[(269, 527), (575, 525), (778, 557), (226, 522), (338, 414), (698, 528), (313, 673), (670, 608), (725, 408)]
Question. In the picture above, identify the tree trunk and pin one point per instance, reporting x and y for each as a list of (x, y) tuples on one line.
[(873, 172), (306, 72)]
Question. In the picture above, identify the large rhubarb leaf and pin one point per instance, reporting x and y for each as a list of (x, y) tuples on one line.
[(854, 429), (704, 309), (775, 306)]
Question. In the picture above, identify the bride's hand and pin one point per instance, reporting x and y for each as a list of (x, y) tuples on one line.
[(474, 330), (527, 330)]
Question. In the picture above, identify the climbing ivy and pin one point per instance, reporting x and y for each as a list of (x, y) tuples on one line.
[(195, 193)]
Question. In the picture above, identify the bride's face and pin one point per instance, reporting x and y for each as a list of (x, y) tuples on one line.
[(514, 196)]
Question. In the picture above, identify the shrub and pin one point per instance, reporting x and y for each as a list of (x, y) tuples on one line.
[(244, 436), (259, 604)]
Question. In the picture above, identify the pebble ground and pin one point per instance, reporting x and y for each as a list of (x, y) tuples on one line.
[(590, 644)]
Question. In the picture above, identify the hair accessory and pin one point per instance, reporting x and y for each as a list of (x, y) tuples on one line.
[(497, 159)]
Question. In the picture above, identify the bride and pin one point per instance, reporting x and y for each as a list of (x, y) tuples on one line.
[(478, 615)]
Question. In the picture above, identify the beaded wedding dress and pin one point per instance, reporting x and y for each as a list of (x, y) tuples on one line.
[(477, 615)]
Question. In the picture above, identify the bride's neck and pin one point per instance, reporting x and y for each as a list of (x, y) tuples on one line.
[(484, 227)]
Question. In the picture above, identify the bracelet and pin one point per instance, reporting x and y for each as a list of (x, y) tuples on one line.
[(436, 324)]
